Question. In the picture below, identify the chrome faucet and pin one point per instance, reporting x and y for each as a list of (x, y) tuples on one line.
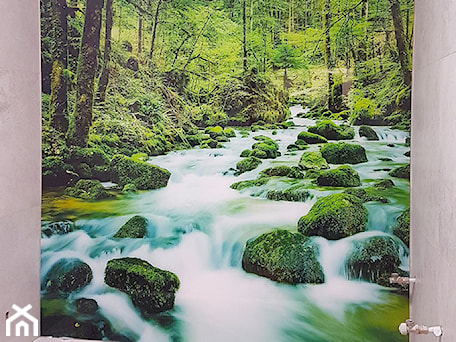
[(411, 327), (396, 279)]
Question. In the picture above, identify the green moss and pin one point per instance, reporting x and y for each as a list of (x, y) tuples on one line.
[(88, 189), (293, 194), (246, 153), (383, 184), (343, 153), (144, 176), (56, 172), (334, 217), (270, 148), (134, 228), (343, 176), (312, 161), (130, 187), (249, 183), (277, 171), (229, 132), (151, 289), (311, 138), (368, 132), (401, 172), (214, 132), (140, 157), (331, 131), (67, 275), (374, 259), (248, 164), (402, 229), (366, 195), (283, 256)]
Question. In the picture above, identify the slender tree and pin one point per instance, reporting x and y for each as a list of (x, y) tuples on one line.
[(87, 68), (400, 43), (104, 78), (154, 30), (58, 101), (244, 38), (140, 29), (328, 56)]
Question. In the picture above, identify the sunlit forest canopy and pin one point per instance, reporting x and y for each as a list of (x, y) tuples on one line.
[(141, 75)]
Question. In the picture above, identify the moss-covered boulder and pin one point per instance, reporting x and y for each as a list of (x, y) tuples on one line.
[(268, 147), (366, 195), (245, 153), (57, 228), (343, 176), (88, 189), (144, 176), (383, 184), (67, 275), (135, 228), (334, 217), (368, 132), (55, 172), (401, 172), (331, 131), (279, 171), (312, 138), (249, 183), (229, 132), (313, 161), (150, 289), (374, 259), (214, 132), (343, 153), (248, 164), (283, 256), (402, 228), (86, 306), (293, 194)]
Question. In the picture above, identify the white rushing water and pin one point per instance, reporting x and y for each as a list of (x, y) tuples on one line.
[(198, 227)]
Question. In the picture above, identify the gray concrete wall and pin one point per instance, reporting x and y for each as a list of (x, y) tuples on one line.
[(433, 180), (20, 154)]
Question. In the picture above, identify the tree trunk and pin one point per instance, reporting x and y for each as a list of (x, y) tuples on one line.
[(329, 58), (400, 43), (104, 78), (140, 25), (87, 68), (244, 38), (154, 31), (58, 112)]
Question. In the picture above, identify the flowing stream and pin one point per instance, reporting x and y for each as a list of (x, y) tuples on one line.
[(197, 228)]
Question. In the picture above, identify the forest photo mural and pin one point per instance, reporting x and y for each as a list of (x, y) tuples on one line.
[(225, 170)]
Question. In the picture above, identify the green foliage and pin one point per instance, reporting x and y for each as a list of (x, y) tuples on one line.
[(334, 217), (343, 153), (284, 257)]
